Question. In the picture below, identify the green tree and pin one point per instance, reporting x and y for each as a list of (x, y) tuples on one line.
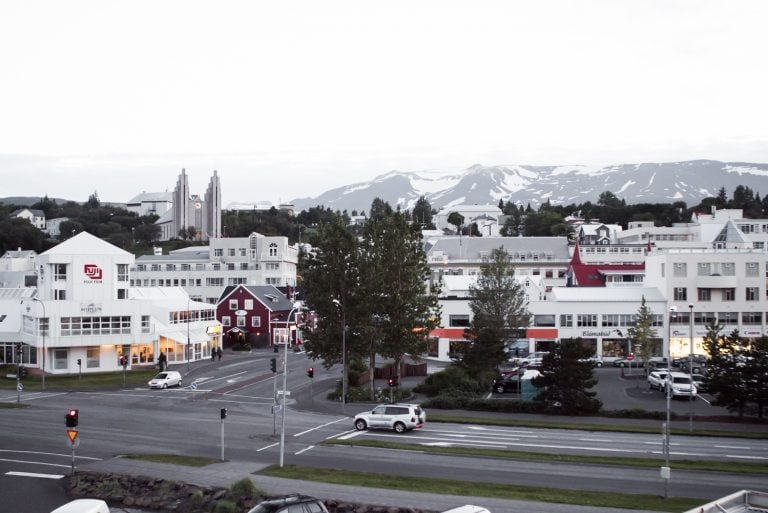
[(499, 312), (642, 335), (401, 308), (456, 220), (726, 370), (422, 214), (566, 379), (93, 200)]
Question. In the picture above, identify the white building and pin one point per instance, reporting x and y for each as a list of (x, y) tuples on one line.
[(192, 211), (204, 271), (146, 203), (34, 216), (53, 226), (486, 217), (84, 310)]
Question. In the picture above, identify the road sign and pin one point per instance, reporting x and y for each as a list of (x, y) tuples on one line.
[(72, 434), (630, 357), (19, 387)]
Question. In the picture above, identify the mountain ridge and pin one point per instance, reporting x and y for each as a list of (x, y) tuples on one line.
[(649, 182)]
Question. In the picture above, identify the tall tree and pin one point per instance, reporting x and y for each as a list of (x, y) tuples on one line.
[(725, 372), (422, 214), (456, 220), (566, 379), (642, 335), (499, 312)]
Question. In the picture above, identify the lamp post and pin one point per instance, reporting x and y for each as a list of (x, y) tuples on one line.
[(285, 387), (189, 355), (343, 353), (690, 371), (46, 329), (666, 473)]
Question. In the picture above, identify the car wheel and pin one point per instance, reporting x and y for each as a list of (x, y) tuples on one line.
[(500, 389), (179, 383), (399, 427), (599, 364), (165, 385), (360, 425)]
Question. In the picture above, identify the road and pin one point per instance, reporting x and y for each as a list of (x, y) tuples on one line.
[(187, 421)]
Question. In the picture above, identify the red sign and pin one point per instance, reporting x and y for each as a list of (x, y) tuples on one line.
[(72, 434), (630, 357), (92, 271)]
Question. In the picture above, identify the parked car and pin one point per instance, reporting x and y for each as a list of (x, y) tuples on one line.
[(682, 385), (596, 360), (165, 379), (626, 362), (83, 506), (399, 417), (291, 504), (533, 358), (657, 379), (511, 380), (658, 363), (516, 349), (700, 381), (698, 359), (467, 509)]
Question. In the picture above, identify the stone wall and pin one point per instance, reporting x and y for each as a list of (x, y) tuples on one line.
[(145, 493)]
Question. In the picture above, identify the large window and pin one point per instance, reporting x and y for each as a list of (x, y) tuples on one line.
[(752, 318), (752, 294), (544, 320), (60, 272), (705, 294), (704, 317), (273, 250), (753, 269), (92, 357), (566, 321), (679, 269), (729, 294), (728, 317), (77, 326), (256, 321), (458, 321), (619, 320), (681, 294), (586, 320), (60, 359)]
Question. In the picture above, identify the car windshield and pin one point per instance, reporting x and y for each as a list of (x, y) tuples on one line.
[(683, 380)]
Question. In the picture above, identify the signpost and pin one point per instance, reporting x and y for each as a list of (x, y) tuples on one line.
[(74, 442)]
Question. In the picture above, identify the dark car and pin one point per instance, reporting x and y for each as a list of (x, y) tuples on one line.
[(291, 504), (700, 381), (699, 359), (507, 383)]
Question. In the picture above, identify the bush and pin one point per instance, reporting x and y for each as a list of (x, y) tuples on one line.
[(245, 488), (225, 506), (452, 380)]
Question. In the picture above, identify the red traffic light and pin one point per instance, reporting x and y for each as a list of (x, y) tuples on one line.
[(392, 382), (72, 418), (311, 372)]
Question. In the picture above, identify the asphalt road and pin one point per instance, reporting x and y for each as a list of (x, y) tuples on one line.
[(187, 421)]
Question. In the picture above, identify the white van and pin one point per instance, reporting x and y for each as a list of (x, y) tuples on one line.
[(83, 506)]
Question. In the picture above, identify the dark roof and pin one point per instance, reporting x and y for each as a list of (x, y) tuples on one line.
[(268, 295), (592, 275)]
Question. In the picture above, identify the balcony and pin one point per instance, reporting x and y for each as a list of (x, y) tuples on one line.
[(717, 281)]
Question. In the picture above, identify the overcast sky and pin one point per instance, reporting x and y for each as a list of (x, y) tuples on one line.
[(290, 98)]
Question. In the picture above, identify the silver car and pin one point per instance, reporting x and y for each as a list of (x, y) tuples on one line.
[(399, 417), (165, 379)]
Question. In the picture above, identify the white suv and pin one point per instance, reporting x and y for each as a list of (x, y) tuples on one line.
[(682, 385), (400, 417)]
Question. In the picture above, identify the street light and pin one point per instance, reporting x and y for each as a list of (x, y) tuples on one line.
[(44, 317), (690, 372), (285, 387), (189, 355), (665, 470), (343, 353)]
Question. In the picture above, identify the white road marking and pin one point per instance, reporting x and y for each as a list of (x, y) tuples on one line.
[(732, 447), (350, 435), (267, 447), (31, 474), (599, 440), (51, 454), (746, 457), (303, 450), (320, 426), (35, 463)]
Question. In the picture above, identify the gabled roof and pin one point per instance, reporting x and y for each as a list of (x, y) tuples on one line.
[(19, 253), (593, 275), (462, 248), (85, 244), (268, 295), (34, 211)]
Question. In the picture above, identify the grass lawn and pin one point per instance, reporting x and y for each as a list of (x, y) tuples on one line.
[(481, 489), (99, 380)]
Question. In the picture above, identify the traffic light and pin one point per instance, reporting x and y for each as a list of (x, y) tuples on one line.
[(392, 382), (274, 347), (18, 348), (223, 413), (71, 418), (311, 372), (273, 364), (79, 362)]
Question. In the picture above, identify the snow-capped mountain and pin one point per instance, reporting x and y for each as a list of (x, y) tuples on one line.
[(688, 181)]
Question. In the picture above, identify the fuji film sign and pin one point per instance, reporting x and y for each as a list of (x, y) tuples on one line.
[(92, 272)]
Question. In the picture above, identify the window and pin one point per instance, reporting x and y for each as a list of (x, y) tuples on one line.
[(751, 317), (243, 252), (60, 358), (681, 294), (60, 273), (704, 317), (272, 266), (170, 267), (753, 294), (185, 267), (59, 295), (241, 321), (231, 252), (458, 321), (92, 358), (145, 323), (728, 269), (705, 294), (728, 317), (273, 250), (248, 304), (237, 281), (753, 269), (679, 269), (226, 320), (704, 268), (218, 252), (544, 320), (214, 282), (77, 326), (256, 321), (244, 266), (566, 321), (273, 281), (230, 267), (122, 293), (233, 304), (155, 267), (729, 294), (122, 272), (586, 320)]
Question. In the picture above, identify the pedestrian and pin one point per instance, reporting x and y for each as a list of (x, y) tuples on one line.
[(213, 354), (161, 361), (218, 352)]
